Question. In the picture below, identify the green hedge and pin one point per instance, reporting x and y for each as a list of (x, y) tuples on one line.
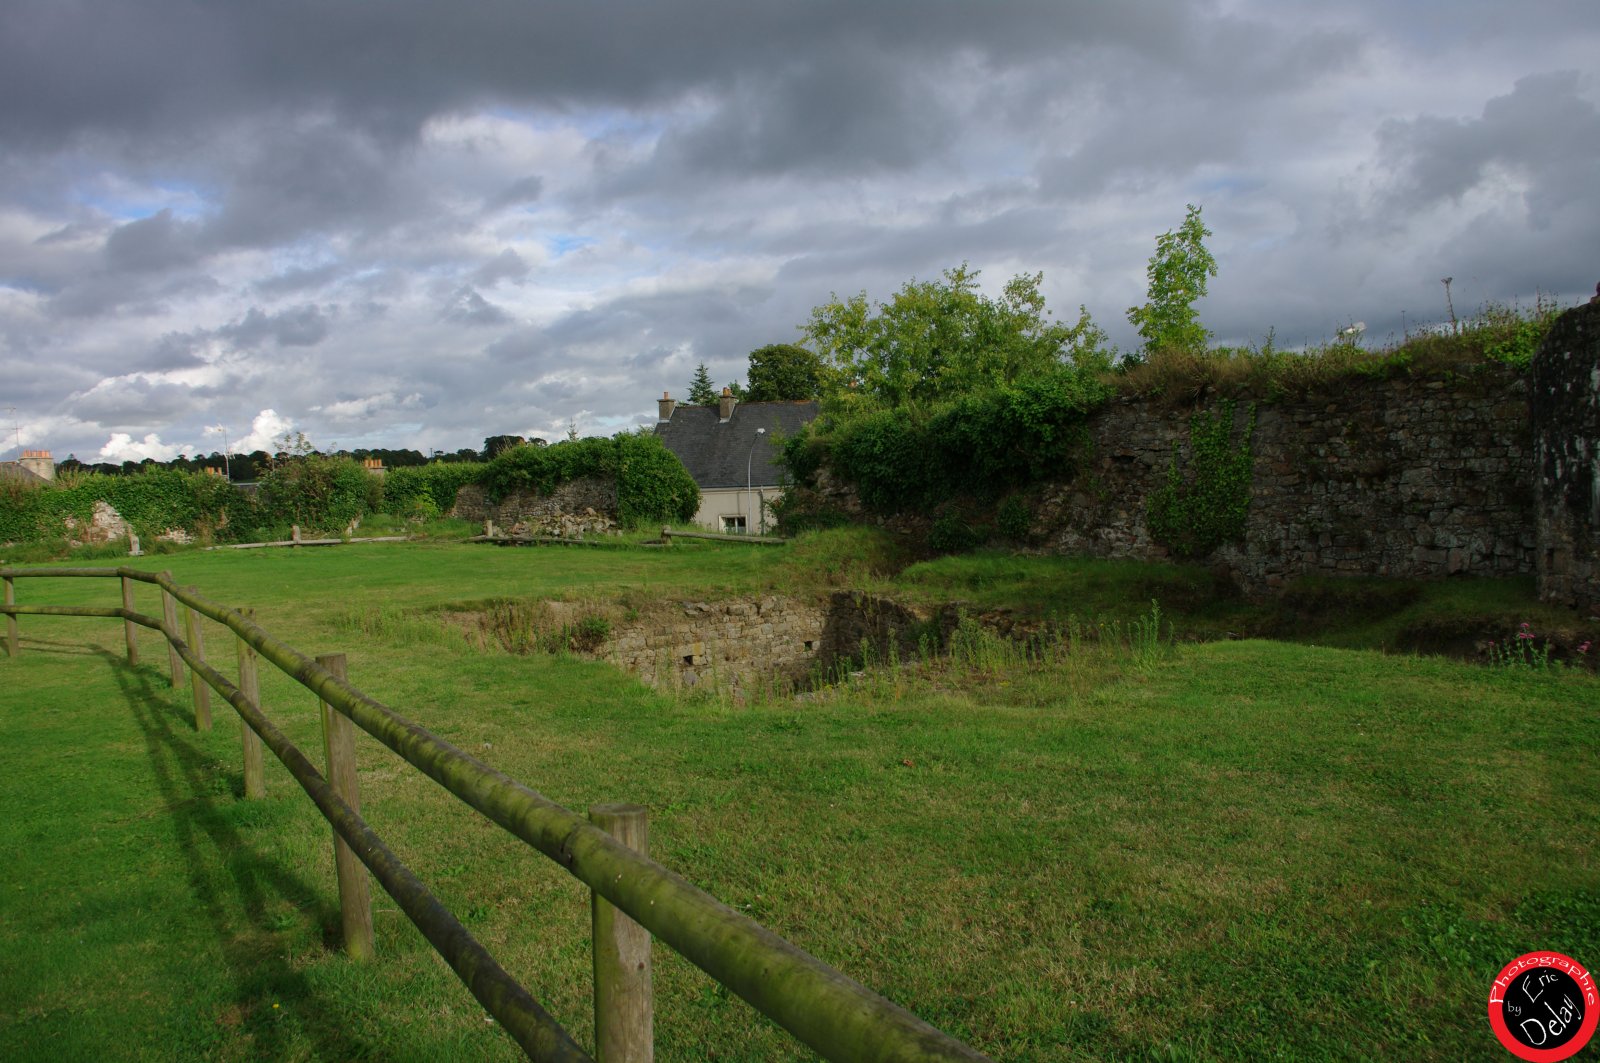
[(151, 502), (978, 446), (428, 490), (652, 484)]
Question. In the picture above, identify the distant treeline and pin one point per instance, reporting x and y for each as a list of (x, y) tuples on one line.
[(248, 468)]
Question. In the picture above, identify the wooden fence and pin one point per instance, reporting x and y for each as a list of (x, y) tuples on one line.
[(632, 896)]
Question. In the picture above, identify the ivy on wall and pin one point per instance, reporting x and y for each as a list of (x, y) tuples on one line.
[(1199, 508)]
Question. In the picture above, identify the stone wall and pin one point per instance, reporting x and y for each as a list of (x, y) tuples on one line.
[(1565, 403), (772, 642), (585, 506), (1406, 478), (735, 645), (1414, 477)]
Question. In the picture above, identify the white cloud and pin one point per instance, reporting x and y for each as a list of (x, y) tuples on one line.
[(267, 428), (121, 447)]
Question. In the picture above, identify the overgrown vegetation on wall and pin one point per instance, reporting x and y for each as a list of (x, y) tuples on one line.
[(150, 503), (1204, 502), (652, 484)]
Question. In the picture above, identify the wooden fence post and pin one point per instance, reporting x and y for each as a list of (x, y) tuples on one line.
[(128, 627), (13, 646), (169, 620), (255, 778), (197, 686), (624, 1004), (339, 740)]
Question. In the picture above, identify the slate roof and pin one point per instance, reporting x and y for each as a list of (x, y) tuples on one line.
[(715, 453)]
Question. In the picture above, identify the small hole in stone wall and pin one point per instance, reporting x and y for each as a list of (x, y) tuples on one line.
[(810, 645), (688, 658)]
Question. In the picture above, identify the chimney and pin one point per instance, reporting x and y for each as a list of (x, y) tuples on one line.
[(39, 463), (727, 405), (667, 404)]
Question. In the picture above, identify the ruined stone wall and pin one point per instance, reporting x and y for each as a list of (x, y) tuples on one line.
[(578, 507), (772, 642), (1565, 402), (1405, 478), (735, 645), (1410, 477)]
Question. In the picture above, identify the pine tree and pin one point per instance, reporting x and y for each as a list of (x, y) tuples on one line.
[(701, 390)]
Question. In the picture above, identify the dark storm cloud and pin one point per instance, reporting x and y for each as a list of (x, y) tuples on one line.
[(1435, 159), (301, 326), (159, 242), (67, 68), (850, 112)]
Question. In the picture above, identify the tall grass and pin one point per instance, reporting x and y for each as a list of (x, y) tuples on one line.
[(1507, 335)]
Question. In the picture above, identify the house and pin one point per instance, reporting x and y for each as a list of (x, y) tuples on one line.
[(731, 450), (34, 467)]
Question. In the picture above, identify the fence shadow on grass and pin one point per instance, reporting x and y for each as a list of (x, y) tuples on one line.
[(233, 884)]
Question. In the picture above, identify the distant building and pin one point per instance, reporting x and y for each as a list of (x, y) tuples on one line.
[(731, 450), (35, 466)]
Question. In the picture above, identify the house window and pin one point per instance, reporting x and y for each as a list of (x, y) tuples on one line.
[(733, 525)]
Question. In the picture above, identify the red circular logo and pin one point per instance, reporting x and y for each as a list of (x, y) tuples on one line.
[(1543, 1007)]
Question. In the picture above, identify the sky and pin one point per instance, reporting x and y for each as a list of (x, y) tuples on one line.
[(419, 224)]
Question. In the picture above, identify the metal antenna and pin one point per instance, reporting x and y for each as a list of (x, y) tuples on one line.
[(16, 427)]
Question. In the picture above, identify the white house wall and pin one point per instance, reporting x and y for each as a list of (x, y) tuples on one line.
[(719, 502)]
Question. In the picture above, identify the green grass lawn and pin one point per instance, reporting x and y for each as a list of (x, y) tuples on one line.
[(1237, 849)]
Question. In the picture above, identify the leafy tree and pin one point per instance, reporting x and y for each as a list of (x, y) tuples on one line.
[(781, 372), (701, 391), (939, 339), (1177, 273), (493, 445)]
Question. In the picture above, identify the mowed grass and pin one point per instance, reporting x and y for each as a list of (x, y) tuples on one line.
[(1240, 849)]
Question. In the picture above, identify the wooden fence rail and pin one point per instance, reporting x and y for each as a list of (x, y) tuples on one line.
[(836, 1016)]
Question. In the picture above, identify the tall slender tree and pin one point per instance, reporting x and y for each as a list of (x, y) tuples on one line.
[(701, 391)]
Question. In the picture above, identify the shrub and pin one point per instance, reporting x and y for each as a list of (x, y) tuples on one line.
[(426, 491), (979, 445), (314, 491), (951, 534), (1014, 520), (652, 484)]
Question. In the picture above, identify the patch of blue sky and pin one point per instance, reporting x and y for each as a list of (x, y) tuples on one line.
[(1227, 185), (126, 201), (565, 243)]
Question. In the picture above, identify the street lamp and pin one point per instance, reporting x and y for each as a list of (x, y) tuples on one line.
[(227, 469), (749, 490)]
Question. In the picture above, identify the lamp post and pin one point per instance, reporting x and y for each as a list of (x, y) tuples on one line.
[(227, 469), (749, 490)]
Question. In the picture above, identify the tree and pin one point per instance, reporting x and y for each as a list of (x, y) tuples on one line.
[(938, 339), (493, 445), (783, 372), (1177, 273), (701, 391)]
